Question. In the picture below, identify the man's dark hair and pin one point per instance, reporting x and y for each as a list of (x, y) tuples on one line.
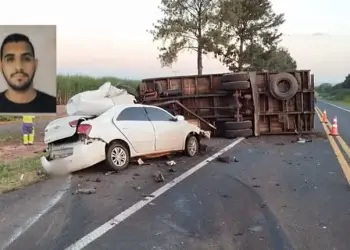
[(15, 38)]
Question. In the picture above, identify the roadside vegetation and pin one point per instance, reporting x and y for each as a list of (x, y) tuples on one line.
[(69, 85), (338, 93), (17, 173)]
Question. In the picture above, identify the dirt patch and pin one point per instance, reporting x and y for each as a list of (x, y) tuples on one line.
[(10, 151), (21, 172)]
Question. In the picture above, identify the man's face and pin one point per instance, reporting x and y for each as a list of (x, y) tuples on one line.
[(18, 65)]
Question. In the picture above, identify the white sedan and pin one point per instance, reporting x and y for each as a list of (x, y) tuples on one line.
[(119, 134)]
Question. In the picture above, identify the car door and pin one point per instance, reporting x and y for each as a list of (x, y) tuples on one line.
[(169, 133), (136, 127)]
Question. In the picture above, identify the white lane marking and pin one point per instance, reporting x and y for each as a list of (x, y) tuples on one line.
[(98, 232), (336, 106), (45, 208)]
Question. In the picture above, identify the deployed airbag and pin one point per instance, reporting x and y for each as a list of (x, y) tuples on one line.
[(96, 102)]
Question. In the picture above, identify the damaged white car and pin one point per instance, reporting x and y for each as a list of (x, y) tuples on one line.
[(117, 135)]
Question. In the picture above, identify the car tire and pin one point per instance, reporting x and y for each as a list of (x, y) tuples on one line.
[(192, 145), (124, 159)]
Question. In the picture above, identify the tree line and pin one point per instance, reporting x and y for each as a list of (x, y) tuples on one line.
[(243, 35), (336, 92)]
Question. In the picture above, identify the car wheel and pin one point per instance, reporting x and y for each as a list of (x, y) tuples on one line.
[(192, 146), (117, 156)]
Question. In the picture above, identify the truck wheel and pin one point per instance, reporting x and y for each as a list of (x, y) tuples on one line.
[(117, 156), (235, 85), (287, 90), (238, 133), (234, 77), (238, 125), (192, 145)]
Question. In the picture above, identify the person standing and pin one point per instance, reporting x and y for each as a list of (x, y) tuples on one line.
[(28, 129)]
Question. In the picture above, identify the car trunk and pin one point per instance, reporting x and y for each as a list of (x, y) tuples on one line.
[(62, 128)]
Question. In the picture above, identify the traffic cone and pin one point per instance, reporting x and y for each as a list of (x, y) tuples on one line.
[(324, 117), (334, 128)]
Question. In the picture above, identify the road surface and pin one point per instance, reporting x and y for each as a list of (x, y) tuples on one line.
[(342, 113), (277, 194)]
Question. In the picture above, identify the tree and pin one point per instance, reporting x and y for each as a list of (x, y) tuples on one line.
[(185, 26), (346, 83), (276, 59), (247, 30), (324, 88)]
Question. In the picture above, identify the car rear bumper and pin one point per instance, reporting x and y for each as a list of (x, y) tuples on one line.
[(83, 156)]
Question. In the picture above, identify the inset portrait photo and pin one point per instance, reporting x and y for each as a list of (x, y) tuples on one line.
[(28, 69)]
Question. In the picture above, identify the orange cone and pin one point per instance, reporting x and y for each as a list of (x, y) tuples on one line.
[(334, 129), (324, 117)]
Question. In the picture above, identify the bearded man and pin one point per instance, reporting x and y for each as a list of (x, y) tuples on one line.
[(18, 65)]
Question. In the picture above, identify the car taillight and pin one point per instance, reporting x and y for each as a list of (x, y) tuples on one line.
[(84, 129), (73, 124)]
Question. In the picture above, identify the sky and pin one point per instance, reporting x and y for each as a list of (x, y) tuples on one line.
[(109, 37)]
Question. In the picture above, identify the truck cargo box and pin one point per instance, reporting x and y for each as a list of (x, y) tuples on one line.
[(247, 103)]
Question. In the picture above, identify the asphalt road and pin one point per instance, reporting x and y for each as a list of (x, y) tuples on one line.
[(278, 194), (342, 113)]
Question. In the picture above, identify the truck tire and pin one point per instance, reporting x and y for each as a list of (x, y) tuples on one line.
[(278, 93), (238, 125), (111, 152), (235, 85), (231, 134), (235, 77)]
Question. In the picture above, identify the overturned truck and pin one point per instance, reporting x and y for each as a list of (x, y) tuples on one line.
[(238, 104)]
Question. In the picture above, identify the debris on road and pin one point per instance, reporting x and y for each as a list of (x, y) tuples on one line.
[(148, 195), (140, 161), (171, 163), (85, 191), (255, 229), (111, 172), (172, 170), (158, 177), (256, 186), (39, 172), (227, 159)]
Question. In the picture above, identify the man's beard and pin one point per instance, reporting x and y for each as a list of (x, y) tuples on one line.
[(24, 86)]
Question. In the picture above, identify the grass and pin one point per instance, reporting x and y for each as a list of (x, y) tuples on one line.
[(9, 118), (11, 137), (345, 103), (18, 173)]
